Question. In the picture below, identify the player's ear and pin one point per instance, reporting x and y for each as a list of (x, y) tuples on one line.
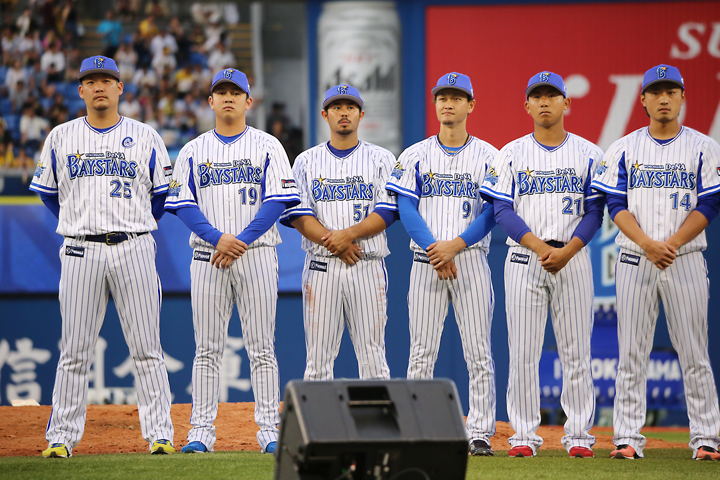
[(527, 107), (471, 106), (324, 114), (121, 87), (80, 91), (362, 114), (567, 104), (248, 102), (211, 103)]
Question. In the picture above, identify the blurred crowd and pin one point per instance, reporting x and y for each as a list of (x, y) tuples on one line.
[(166, 66)]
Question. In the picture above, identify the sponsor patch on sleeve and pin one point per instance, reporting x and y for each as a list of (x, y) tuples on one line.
[(630, 259), (421, 257), (168, 170), (201, 256), (318, 266), (287, 182), (71, 251), (398, 170), (520, 258)]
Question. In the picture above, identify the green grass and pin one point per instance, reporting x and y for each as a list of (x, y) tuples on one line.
[(679, 437), (549, 464)]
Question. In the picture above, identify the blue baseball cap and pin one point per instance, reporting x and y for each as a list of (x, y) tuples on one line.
[(455, 80), (231, 75), (342, 92), (662, 73), (546, 78), (98, 64)]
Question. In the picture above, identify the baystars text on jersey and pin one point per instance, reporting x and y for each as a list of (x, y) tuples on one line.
[(107, 163), (237, 171), (349, 188), (561, 180), (448, 185)]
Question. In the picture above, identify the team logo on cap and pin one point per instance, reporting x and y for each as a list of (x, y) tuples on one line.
[(99, 62), (228, 72), (662, 72), (452, 78), (342, 89), (545, 77)]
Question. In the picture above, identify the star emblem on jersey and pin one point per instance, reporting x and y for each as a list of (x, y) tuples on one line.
[(637, 165), (321, 179), (528, 172), (208, 163), (38, 170), (431, 175)]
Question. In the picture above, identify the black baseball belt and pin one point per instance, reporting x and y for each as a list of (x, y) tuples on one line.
[(555, 244), (112, 238)]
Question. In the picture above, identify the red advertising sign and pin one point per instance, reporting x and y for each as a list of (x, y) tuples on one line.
[(601, 50)]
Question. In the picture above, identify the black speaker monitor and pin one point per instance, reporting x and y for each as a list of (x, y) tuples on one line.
[(374, 430)]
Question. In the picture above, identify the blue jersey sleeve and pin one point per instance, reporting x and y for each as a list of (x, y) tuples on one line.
[(264, 219), (480, 227), (196, 221), (413, 222), (509, 220)]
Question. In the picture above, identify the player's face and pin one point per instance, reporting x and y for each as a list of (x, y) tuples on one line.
[(229, 102), (343, 116), (546, 105), (452, 106), (100, 91), (663, 101)]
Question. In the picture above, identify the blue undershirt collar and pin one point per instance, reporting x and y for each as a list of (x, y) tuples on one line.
[(341, 153)]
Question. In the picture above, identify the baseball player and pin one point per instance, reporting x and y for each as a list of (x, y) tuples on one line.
[(343, 214), (229, 187), (663, 190), (106, 177), (540, 187), (438, 182)]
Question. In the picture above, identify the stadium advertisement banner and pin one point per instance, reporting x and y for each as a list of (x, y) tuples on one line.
[(602, 52)]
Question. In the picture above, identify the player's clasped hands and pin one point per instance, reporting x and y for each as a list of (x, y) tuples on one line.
[(337, 241), (351, 255), (554, 259), (662, 254), (229, 249), (447, 271)]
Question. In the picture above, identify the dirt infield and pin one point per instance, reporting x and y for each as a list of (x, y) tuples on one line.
[(116, 429)]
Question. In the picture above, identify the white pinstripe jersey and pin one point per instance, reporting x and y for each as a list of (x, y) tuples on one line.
[(104, 180), (229, 182), (548, 187), (340, 192), (662, 182), (446, 185)]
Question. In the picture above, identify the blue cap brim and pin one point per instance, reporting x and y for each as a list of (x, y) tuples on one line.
[(440, 88), (660, 80), (352, 98), (108, 71), (539, 84), (227, 80)]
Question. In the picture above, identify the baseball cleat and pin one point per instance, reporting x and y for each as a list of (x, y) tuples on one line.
[(706, 453), (271, 447), (56, 450), (581, 452), (521, 451), (481, 448), (624, 451), (194, 447), (162, 447)]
